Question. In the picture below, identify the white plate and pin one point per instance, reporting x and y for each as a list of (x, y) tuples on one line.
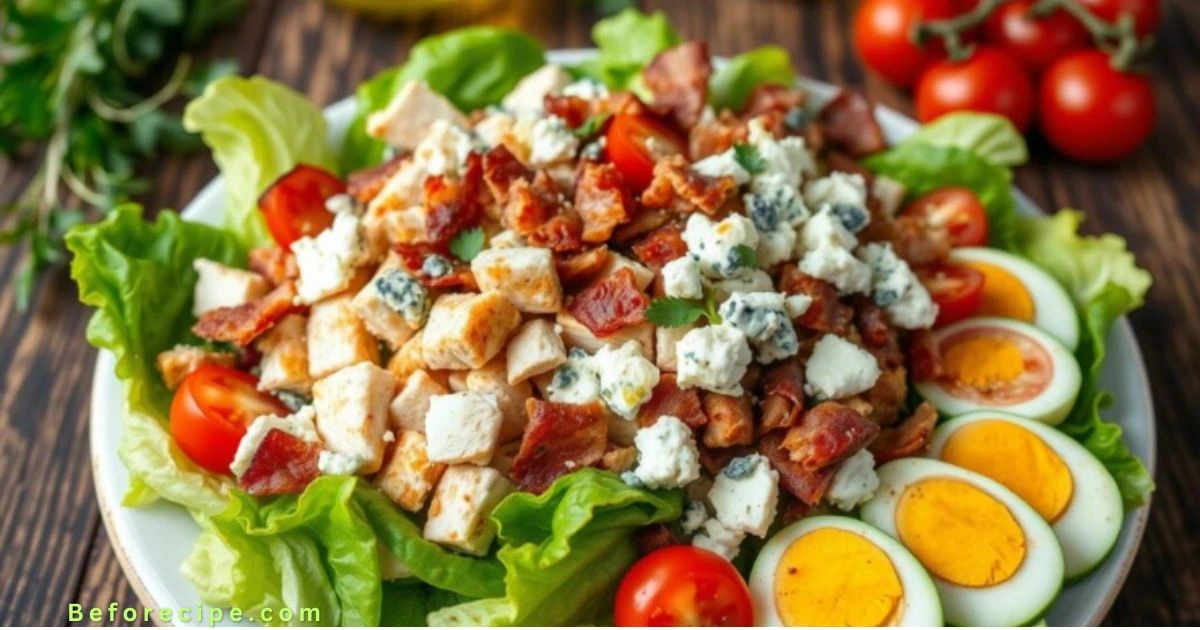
[(152, 542)]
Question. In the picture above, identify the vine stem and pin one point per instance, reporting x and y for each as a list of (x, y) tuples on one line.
[(167, 92), (950, 30)]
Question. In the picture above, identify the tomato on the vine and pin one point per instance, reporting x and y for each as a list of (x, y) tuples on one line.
[(294, 205), (990, 80), (882, 35), (1093, 112), (1035, 41), (955, 208), (683, 586), (1147, 14), (212, 409)]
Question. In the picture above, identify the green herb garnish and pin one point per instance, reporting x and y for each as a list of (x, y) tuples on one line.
[(591, 126), (748, 157), (746, 256), (467, 244)]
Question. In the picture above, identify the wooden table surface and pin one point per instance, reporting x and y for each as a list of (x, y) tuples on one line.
[(53, 546)]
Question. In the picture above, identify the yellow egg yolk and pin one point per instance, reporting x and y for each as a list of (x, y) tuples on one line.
[(960, 533), (1004, 295), (832, 577), (1018, 459), (983, 362), (995, 366)]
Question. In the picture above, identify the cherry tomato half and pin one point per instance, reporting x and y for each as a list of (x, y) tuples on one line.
[(958, 210), (210, 413), (1093, 112), (1035, 41), (634, 143), (956, 289), (991, 80), (683, 586), (294, 206), (882, 35), (1147, 14)]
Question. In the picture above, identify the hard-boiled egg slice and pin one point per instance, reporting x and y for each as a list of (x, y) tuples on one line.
[(994, 560), (1053, 473), (996, 363), (838, 571), (1018, 289)]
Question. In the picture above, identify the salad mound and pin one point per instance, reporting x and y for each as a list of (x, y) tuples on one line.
[(531, 325)]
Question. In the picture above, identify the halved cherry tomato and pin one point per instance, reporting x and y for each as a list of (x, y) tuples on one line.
[(955, 208), (210, 413), (634, 143), (1035, 41), (294, 206), (883, 36), (990, 81), (683, 585), (956, 289)]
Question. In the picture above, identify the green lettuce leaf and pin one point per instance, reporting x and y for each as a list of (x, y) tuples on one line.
[(139, 278), (732, 83), (472, 67), (626, 42), (257, 130), (988, 136), (565, 551), (1105, 282)]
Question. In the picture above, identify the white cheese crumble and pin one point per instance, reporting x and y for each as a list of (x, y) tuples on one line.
[(763, 318), (744, 495), (854, 483), (444, 150), (552, 142), (838, 369), (621, 378), (722, 165), (797, 304), (837, 266), (844, 194), (715, 245), (693, 517), (326, 262), (667, 454), (787, 157), (575, 381), (719, 539), (681, 278), (300, 424), (586, 88), (713, 358), (897, 289), (334, 463), (825, 229)]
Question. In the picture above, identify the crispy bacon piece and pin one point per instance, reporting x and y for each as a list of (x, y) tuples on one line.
[(772, 99), (623, 102), (367, 183), (525, 209), (661, 246), (914, 240), (562, 233), (603, 201), (924, 357), (849, 123), (274, 263), (677, 187), (283, 464), (643, 222), (846, 164), (805, 484), (887, 396), (710, 137), (783, 396), (678, 79), (452, 205), (572, 109), (878, 336), (501, 169), (581, 267), (651, 538), (730, 420), (827, 434), (826, 313), (413, 255), (907, 438), (559, 438), (242, 324), (667, 399), (610, 304)]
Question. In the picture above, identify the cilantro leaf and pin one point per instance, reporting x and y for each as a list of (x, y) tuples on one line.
[(591, 126), (673, 312), (467, 244), (748, 157), (746, 256)]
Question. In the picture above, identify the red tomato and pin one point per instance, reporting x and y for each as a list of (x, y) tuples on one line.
[(1093, 112), (956, 289), (634, 143), (882, 30), (683, 586), (955, 208), (1035, 42), (210, 413), (294, 206), (991, 80), (1147, 14)]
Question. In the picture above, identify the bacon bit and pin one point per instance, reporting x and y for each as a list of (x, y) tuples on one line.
[(525, 210), (581, 267), (826, 313), (814, 138), (710, 137), (644, 222), (283, 464), (887, 396), (924, 356), (367, 183), (678, 79), (501, 169), (804, 484), (610, 304), (242, 324), (667, 399), (623, 102), (561, 234), (453, 205), (559, 439), (772, 99), (661, 246), (714, 460), (412, 257), (783, 396), (730, 420), (572, 109), (651, 538), (907, 438), (619, 459), (677, 187), (850, 124), (914, 240), (603, 201), (274, 263), (846, 164), (878, 336), (828, 433)]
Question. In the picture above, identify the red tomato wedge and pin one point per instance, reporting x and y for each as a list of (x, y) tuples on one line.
[(635, 143), (294, 206), (210, 413), (958, 210), (956, 289), (683, 585)]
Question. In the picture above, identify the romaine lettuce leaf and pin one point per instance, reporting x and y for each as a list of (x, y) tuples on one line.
[(626, 42), (257, 130), (472, 67), (732, 83), (989, 136)]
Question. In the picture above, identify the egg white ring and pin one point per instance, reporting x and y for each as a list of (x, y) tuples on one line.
[(1050, 407), (1088, 528), (920, 603), (1053, 310), (1021, 599)]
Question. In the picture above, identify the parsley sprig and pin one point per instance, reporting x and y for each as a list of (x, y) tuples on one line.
[(671, 312), (591, 126), (748, 157), (467, 244)]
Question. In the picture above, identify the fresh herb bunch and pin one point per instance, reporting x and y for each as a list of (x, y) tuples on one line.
[(83, 83)]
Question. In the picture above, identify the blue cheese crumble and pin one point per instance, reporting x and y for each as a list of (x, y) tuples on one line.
[(405, 295), (667, 454), (436, 266), (713, 358), (844, 194), (763, 319), (714, 244), (897, 289)]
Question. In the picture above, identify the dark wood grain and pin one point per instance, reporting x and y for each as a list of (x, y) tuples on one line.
[(53, 547)]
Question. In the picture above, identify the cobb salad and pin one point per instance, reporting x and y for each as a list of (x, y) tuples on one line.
[(647, 340)]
